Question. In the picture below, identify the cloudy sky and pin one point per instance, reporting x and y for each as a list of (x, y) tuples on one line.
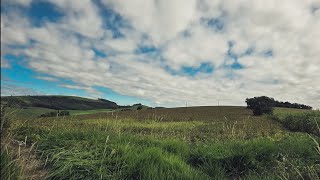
[(162, 52)]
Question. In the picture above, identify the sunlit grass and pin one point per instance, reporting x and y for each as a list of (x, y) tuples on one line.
[(82, 112), (117, 146)]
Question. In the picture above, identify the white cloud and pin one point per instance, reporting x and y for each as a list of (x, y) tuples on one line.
[(203, 45), (47, 78), (91, 91), (13, 29), (17, 2), (5, 63), (178, 29), (81, 17), (161, 20)]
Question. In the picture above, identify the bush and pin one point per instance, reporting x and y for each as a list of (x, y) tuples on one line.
[(308, 122), (139, 107), (126, 109), (55, 113), (260, 105)]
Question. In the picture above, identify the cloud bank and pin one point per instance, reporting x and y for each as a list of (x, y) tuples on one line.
[(173, 51)]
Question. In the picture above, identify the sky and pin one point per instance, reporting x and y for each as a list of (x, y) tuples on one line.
[(162, 52)]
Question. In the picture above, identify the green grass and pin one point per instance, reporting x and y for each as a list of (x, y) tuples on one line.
[(94, 111), (283, 112), (35, 112), (302, 121), (9, 168), (30, 112), (179, 143), (91, 153)]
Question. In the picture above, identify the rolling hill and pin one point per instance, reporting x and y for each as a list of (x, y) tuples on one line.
[(58, 102)]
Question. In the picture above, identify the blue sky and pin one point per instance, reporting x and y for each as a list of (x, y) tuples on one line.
[(162, 53), (19, 76)]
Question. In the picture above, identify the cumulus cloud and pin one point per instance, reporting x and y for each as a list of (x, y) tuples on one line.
[(81, 17), (255, 48), (161, 20), (13, 29)]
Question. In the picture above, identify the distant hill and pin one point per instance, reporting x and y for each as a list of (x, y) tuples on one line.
[(58, 102)]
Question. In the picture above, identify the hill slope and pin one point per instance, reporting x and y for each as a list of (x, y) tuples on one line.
[(59, 102)]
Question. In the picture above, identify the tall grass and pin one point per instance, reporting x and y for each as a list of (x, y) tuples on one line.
[(308, 121), (99, 154), (135, 148), (9, 168)]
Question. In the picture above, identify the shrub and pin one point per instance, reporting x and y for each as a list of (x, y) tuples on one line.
[(139, 107), (260, 105), (55, 113), (308, 122)]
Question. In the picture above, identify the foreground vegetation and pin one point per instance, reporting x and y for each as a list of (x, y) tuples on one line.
[(301, 121), (9, 168), (179, 143)]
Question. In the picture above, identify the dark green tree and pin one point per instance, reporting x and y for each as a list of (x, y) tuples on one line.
[(260, 105), (139, 107)]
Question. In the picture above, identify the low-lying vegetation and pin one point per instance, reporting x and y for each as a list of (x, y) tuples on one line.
[(55, 114), (305, 121), (111, 156), (108, 153), (9, 168), (179, 143)]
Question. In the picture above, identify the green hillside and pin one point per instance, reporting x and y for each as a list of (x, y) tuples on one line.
[(209, 142), (58, 102)]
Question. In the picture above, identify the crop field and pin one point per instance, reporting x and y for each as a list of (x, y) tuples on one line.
[(168, 143)]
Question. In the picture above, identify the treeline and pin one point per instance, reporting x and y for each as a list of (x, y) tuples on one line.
[(264, 105), (291, 105), (276, 103), (55, 114)]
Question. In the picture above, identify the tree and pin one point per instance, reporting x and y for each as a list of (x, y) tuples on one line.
[(261, 105), (55, 114), (139, 107)]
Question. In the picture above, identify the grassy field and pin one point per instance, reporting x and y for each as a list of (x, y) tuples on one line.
[(299, 120), (94, 111), (174, 143), (29, 112), (34, 112)]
